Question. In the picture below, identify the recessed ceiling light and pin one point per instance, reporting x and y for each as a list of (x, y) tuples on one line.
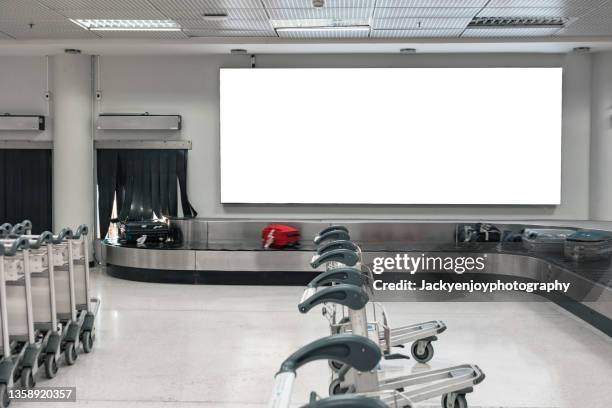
[(517, 22), (214, 16), (318, 3), (328, 29), (407, 50), (127, 25), (238, 51)]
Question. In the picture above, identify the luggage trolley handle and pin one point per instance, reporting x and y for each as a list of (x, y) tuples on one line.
[(65, 233), (338, 244), (40, 240), (16, 245), (351, 296), (330, 234), (358, 352), (17, 230), (344, 256), (348, 401), (348, 275), (81, 230), (5, 229)]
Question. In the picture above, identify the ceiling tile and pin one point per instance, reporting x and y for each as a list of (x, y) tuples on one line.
[(115, 14), (308, 3), (234, 14), (420, 23), (510, 32), (431, 3), (26, 10), (229, 33), (595, 24), (448, 33), (204, 4), (46, 30), (546, 3), (317, 13), (394, 12), (313, 34), (532, 12), (97, 4), (248, 25), (154, 35)]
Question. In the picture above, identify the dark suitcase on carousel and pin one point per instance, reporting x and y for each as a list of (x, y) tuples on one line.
[(152, 230), (588, 245), (546, 239)]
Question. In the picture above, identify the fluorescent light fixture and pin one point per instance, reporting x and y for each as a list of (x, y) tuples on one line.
[(318, 29), (517, 22), (127, 25)]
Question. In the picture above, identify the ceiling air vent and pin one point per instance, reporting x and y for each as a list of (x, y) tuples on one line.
[(517, 22)]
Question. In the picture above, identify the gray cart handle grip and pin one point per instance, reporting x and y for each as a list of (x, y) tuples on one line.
[(5, 229), (44, 238), (348, 258), (333, 235), (19, 243), (348, 275), (347, 401), (355, 351), (333, 228), (27, 224), (81, 230), (353, 297), (65, 233), (17, 230), (340, 244)]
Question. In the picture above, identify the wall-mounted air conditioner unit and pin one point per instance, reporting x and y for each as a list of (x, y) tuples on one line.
[(138, 121), (22, 122)]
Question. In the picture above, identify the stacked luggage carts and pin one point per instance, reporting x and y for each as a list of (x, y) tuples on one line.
[(45, 304), (360, 330)]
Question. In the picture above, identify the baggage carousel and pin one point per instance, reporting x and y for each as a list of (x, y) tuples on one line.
[(230, 252)]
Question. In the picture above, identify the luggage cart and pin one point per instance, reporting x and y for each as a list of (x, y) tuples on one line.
[(46, 321), (451, 384), (87, 306), (20, 310), (11, 354), (338, 254)]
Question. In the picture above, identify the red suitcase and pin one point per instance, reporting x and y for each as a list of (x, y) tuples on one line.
[(280, 236)]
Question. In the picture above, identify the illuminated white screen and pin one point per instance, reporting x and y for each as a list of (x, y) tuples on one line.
[(391, 135)]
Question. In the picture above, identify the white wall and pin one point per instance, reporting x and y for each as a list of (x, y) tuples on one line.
[(189, 85), (601, 138), (23, 83)]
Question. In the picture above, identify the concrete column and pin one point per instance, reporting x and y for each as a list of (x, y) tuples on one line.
[(601, 138), (72, 140)]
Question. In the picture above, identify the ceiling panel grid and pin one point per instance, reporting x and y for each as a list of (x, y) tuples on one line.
[(230, 33), (430, 3), (510, 32), (432, 12), (228, 24), (108, 5), (420, 23), (318, 34), (394, 34), (304, 4), (532, 12)]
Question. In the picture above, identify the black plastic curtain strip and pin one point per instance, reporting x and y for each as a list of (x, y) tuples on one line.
[(26, 190), (144, 182)]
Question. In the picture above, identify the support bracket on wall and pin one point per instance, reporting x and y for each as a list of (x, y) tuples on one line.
[(26, 144), (143, 144)]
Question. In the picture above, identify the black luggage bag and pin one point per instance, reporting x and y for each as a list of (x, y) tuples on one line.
[(151, 230)]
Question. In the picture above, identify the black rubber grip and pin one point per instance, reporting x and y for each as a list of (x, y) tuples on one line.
[(344, 256), (348, 275), (355, 351), (340, 244), (347, 401), (334, 235), (353, 297)]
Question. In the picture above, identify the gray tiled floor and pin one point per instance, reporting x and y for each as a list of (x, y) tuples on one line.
[(183, 346)]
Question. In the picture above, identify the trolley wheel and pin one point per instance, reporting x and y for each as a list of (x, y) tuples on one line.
[(50, 365), (335, 365), (4, 396), (422, 357), (71, 353), (335, 388), (27, 378), (87, 341), (460, 401)]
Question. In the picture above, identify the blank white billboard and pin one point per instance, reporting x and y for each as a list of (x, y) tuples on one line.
[(391, 135)]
